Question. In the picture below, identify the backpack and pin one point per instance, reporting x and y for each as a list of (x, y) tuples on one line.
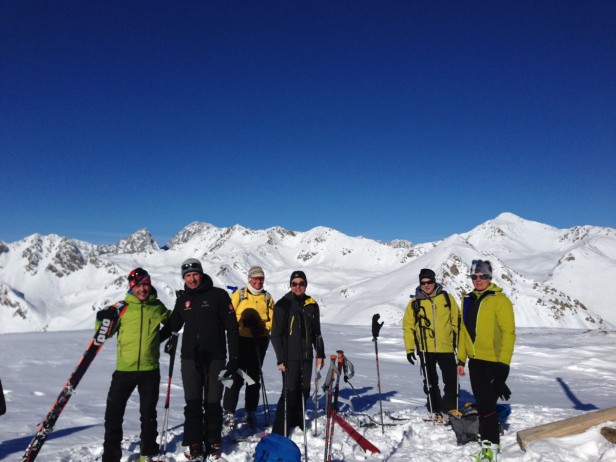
[(465, 424), (277, 448)]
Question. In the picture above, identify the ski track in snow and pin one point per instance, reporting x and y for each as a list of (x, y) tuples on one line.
[(553, 377)]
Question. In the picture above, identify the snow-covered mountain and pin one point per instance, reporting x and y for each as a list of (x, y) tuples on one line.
[(555, 278)]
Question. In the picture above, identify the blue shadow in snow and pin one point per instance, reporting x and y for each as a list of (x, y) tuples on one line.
[(577, 404), (19, 445)]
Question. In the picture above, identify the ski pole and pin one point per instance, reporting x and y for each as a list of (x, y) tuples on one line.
[(302, 397), (286, 402), (315, 399), (376, 328), (170, 348), (263, 391), (329, 382), (424, 324), (334, 410)]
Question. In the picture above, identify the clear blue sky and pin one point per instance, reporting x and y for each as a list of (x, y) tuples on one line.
[(386, 119)]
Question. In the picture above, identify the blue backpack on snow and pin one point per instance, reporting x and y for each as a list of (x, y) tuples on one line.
[(277, 448)]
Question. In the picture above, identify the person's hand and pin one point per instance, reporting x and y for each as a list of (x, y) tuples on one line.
[(172, 343), (231, 368), (108, 312), (319, 363), (502, 390), (411, 357), (500, 377), (281, 367), (461, 372)]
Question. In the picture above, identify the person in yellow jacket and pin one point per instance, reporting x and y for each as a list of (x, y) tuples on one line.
[(430, 327), (254, 309), (487, 338), (137, 366)]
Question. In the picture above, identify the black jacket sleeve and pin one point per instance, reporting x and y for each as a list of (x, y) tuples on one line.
[(231, 326), (278, 329)]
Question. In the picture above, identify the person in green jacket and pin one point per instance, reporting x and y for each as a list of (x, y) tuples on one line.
[(137, 364), (430, 326), (487, 338)]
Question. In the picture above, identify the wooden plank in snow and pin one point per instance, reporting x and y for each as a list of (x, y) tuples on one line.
[(570, 426)]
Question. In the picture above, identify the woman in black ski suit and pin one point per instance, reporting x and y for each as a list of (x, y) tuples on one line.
[(296, 330)]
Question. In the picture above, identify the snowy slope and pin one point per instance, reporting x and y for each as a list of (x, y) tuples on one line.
[(556, 278), (555, 374)]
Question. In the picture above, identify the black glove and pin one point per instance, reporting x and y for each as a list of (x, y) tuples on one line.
[(231, 368), (376, 326), (411, 357), (500, 377), (172, 344), (108, 312), (502, 390)]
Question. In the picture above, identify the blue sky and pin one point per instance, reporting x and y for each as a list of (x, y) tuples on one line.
[(384, 119)]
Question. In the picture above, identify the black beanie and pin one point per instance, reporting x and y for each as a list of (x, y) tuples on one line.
[(298, 274), (427, 274)]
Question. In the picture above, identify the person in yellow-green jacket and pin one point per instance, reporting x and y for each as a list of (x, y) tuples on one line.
[(430, 326), (254, 308), (137, 364), (487, 338)]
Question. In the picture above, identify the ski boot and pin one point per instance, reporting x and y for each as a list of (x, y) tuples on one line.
[(195, 453), (213, 454), (251, 418), (488, 453), (228, 422)]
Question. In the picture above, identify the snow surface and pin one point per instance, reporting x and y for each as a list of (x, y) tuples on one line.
[(555, 374)]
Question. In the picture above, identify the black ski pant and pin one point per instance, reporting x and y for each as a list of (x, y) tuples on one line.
[(482, 375), (122, 386), (202, 393), (296, 386), (447, 364), (250, 360)]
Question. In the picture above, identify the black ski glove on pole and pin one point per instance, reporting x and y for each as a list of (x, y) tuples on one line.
[(500, 377), (172, 343), (411, 357), (109, 312), (376, 326), (231, 368)]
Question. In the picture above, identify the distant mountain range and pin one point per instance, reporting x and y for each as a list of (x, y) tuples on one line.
[(555, 277)]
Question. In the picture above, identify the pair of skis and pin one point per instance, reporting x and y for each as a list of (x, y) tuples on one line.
[(339, 365), (100, 336), (47, 425)]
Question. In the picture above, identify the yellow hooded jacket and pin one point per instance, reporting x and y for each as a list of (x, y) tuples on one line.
[(442, 331), (253, 310), (495, 327)]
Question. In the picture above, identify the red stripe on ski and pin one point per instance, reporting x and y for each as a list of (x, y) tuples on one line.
[(360, 439)]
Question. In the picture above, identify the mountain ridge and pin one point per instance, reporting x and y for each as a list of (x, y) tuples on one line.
[(50, 282)]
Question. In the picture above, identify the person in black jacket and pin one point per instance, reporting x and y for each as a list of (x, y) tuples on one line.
[(207, 315), (296, 330)]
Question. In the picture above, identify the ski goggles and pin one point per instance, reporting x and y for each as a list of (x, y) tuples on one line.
[(483, 277)]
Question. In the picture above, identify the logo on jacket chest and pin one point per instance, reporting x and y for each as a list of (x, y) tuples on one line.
[(188, 306)]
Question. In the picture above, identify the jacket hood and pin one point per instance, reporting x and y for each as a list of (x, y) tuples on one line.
[(206, 284), (421, 295), (491, 288)]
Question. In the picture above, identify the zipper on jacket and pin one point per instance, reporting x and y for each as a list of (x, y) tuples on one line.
[(140, 338)]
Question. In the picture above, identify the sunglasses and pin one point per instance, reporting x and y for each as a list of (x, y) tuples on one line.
[(186, 266), (425, 283), (483, 277), (298, 284)]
